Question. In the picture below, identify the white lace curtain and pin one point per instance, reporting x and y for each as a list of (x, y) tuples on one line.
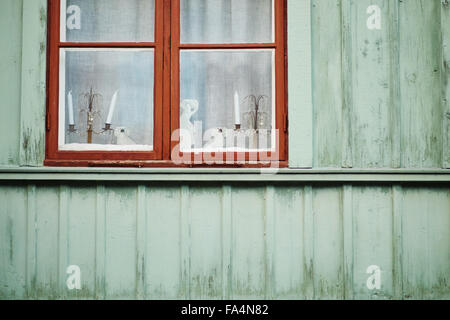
[(212, 77)]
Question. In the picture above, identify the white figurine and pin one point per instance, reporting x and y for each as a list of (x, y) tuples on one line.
[(214, 139), (187, 109), (122, 136)]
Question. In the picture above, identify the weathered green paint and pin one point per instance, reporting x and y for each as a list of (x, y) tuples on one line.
[(283, 241), (10, 80), (420, 83), (33, 95), (379, 97), (327, 82), (445, 77)]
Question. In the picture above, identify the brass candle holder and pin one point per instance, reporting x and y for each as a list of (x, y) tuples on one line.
[(89, 104)]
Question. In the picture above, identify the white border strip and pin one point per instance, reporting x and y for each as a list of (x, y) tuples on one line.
[(300, 84)]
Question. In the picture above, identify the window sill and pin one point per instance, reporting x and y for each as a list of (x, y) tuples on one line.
[(223, 175)]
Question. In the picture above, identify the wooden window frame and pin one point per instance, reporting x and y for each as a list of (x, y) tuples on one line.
[(167, 48)]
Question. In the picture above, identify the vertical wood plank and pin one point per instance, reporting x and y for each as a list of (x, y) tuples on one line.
[(347, 209), (227, 238), (397, 241), (100, 242), (162, 270), (300, 84), (13, 245), (288, 251), (10, 80), (269, 241), (426, 243), (205, 208), (395, 123), (308, 243), (141, 242), (120, 234), (31, 240), (327, 82), (445, 29), (328, 244), (373, 85), (420, 88), (372, 240), (63, 241), (347, 107), (185, 236), (80, 203), (32, 110), (249, 281), (47, 264)]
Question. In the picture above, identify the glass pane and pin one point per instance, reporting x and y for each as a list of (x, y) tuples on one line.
[(226, 21), (220, 89), (107, 20), (106, 89)]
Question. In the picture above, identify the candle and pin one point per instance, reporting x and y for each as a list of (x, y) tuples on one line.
[(112, 106), (237, 111), (71, 121)]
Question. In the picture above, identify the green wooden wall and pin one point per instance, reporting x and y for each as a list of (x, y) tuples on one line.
[(380, 97), (380, 100), (172, 241)]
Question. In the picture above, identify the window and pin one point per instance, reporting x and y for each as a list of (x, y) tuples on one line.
[(157, 82)]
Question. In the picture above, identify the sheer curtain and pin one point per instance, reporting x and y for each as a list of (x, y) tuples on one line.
[(129, 72), (113, 21), (213, 76)]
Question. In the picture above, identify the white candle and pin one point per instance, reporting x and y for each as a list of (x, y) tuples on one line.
[(70, 105), (237, 110), (112, 106)]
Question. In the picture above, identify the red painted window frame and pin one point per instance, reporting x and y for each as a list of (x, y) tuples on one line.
[(167, 48)]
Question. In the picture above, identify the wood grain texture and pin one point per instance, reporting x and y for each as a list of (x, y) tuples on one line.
[(426, 243), (327, 83), (46, 283), (300, 84), (163, 279), (445, 74), (33, 95), (120, 237), (13, 242), (282, 241), (287, 252), (328, 273), (205, 242), (248, 257), (372, 240), (10, 80), (372, 82), (420, 83)]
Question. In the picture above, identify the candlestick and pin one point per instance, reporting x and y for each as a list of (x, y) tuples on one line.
[(70, 105), (112, 106), (237, 111)]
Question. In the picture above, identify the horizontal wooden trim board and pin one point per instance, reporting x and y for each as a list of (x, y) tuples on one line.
[(222, 175)]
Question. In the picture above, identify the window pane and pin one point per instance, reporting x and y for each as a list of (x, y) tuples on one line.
[(107, 20), (117, 87), (222, 88), (226, 21)]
